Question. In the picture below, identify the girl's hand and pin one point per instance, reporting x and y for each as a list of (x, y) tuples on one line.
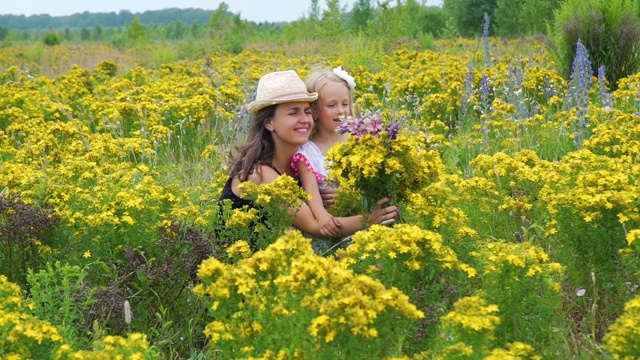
[(328, 196), (381, 214), (329, 226)]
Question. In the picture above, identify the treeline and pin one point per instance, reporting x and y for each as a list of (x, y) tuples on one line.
[(380, 24), (111, 19), (407, 19)]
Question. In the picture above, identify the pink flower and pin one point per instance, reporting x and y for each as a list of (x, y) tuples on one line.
[(370, 125)]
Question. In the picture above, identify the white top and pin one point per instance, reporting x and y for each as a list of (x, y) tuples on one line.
[(311, 155)]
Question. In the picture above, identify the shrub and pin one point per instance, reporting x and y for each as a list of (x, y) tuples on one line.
[(105, 70), (23, 335), (623, 338), (287, 300), (51, 38), (61, 296), (524, 284), (24, 230)]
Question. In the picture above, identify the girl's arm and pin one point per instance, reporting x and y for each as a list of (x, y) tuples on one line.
[(329, 226)]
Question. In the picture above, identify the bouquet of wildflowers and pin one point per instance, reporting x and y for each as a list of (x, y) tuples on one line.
[(379, 160)]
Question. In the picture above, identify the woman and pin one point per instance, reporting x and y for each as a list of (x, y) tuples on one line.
[(281, 122)]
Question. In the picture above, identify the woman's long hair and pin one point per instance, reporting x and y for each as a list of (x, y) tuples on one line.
[(258, 149)]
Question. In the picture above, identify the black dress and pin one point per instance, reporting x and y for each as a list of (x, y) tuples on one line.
[(239, 203), (236, 201)]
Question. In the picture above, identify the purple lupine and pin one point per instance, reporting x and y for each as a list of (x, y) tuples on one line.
[(465, 97), (485, 93), (549, 90), (485, 40), (578, 93), (485, 107), (344, 127), (603, 93), (516, 95)]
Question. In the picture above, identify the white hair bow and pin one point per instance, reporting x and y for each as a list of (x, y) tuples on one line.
[(351, 82)]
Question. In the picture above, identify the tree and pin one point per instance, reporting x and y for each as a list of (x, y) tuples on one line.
[(469, 14), (314, 11), (410, 13), (135, 31), (507, 17), (176, 30), (296, 30), (126, 16), (85, 34), (387, 24), (536, 15), (361, 14), (433, 20), (331, 26), (97, 32), (523, 17), (227, 29), (221, 19), (4, 32), (196, 30)]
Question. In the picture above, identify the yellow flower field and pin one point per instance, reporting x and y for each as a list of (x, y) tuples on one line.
[(115, 170)]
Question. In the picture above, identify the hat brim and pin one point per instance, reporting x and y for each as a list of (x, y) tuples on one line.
[(258, 105)]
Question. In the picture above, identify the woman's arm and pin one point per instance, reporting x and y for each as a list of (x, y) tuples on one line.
[(306, 222)]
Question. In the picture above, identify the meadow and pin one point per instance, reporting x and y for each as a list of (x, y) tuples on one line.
[(521, 239)]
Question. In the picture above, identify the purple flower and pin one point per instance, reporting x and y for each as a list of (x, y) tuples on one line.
[(516, 96), (578, 92), (465, 96), (603, 92), (485, 95), (392, 129), (485, 40)]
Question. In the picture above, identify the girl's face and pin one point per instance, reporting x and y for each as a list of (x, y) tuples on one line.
[(334, 101), (291, 123)]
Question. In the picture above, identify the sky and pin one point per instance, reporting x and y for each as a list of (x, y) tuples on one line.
[(251, 10)]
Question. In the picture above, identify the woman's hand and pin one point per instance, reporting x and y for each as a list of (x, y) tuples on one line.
[(328, 196), (381, 214)]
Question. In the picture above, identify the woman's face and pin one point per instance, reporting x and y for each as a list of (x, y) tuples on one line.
[(334, 101), (291, 123)]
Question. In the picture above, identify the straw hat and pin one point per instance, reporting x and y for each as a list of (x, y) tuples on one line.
[(280, 87)]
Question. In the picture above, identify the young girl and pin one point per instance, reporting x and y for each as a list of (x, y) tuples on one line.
[(335, 93), (281, 123)]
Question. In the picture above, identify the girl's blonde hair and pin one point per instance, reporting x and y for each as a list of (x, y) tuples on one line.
[(316, 81)]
